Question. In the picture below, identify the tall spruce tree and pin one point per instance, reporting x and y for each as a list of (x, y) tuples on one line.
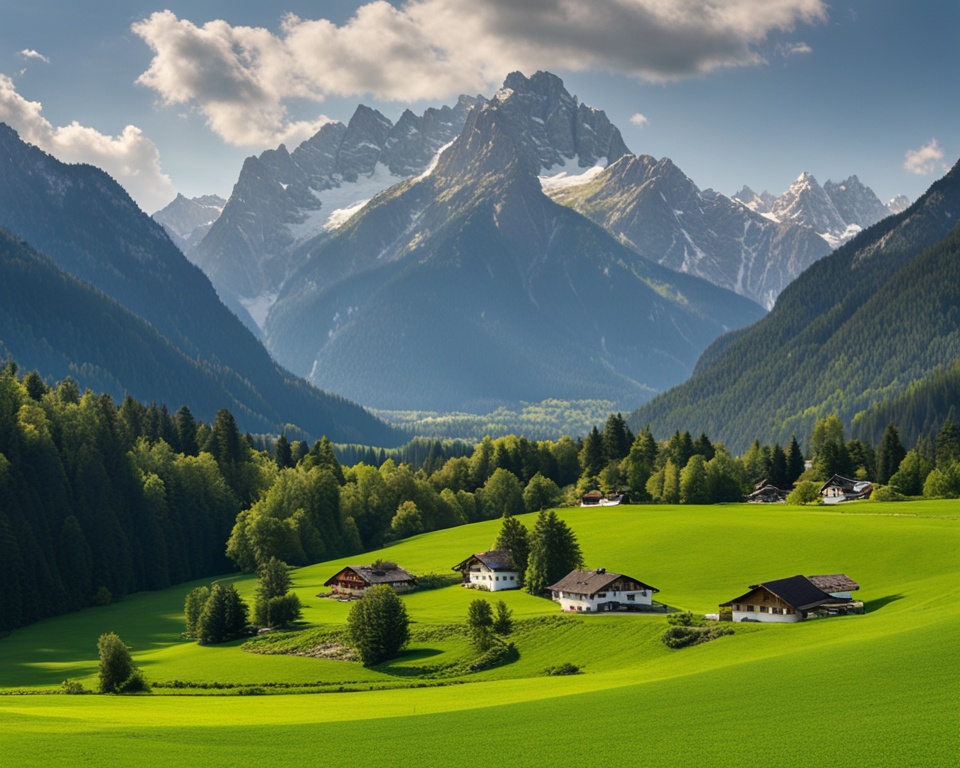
[(554, 552), (513, 538)]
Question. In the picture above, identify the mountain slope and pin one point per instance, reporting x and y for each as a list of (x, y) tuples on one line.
[(857, 327), (654, 207), (282, 198), (468, 286), (84, 221)]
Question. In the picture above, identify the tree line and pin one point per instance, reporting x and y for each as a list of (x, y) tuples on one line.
[(98, 500)]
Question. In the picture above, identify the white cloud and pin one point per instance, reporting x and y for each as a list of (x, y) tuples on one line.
[(131, 158), (242, 78), (29, 53), (925, 161), (794, 49), (639, 120)]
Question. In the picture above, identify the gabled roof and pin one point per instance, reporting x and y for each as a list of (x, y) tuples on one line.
[(834, 582), (495, 560), (848, 485), (798, 592), (376, 575), (591, 582)]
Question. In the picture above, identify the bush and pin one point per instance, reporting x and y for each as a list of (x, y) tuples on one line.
[(116, 665), (805, 492), (136, 683), (103, 597), (683, 636), (498, 653), (886, 493), (72, 687), (562, 669)]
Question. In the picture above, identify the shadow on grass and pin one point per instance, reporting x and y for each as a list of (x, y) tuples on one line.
[(870, 606), (401, 666)]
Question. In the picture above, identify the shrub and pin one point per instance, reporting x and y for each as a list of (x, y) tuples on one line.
[(683, 636), (886, 493), (103, 596), (498, 653), (72, 687), (379, 625), (115, 665), (686, 619), (562, 669), (805, 492), (136, 683)]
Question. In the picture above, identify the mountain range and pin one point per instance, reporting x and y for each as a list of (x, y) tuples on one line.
[(467, 286), (875, 319), (116, 305)]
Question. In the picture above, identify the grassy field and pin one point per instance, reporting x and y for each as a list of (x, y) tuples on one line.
[(872, 690)]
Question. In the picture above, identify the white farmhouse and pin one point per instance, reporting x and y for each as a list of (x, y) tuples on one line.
[(493, 571), (601, 590)]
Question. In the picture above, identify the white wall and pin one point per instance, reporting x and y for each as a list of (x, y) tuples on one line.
[(494, 582), (769, 618), (570, 601)]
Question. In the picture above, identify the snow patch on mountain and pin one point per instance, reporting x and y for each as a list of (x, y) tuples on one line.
[(258, 307), (567, 179)]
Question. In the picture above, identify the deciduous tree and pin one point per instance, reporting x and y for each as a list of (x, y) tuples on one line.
[(378, 624)]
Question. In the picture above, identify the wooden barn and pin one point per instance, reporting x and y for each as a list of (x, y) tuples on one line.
[(354, 580), (788, 600)]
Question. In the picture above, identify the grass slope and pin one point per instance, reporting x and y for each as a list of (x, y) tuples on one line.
[(880, 689)]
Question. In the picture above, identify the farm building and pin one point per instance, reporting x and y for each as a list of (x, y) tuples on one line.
[(601, 590), (787, 600), (598, 499), (493, 571), (766, 493), (839, 488), (354, 580)]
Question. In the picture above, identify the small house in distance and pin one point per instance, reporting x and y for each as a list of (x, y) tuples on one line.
[(601, 590), (839, 488), (354, 580), (598, 499), (767, 493), (492, 571), (788, 600)]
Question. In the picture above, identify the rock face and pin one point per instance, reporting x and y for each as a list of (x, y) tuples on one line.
[(653, 206), (187, 220), (282, 199), (837, 211), (467, 286)]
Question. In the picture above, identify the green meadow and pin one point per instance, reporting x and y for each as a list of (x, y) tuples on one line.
[(873, 690)]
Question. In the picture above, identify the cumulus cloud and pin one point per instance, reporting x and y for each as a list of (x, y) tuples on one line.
[(639, 120), (925, 161), (29, 53), (242, 78), (131, 158)]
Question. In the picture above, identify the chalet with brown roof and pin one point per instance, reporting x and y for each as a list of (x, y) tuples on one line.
[(493, 571), (601, 590), (839, 488), (354, 580), (767, 493), (787, 600)]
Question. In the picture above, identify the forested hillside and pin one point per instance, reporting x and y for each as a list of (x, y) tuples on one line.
[(88, 226), (858, 327)]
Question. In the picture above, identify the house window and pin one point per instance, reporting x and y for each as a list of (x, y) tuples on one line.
[(602, 594), (763, 609), (631, 598), (643, 592), (750, 609)]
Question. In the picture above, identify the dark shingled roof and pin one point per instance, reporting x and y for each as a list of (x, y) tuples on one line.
[(796, 591), (495, 560), (591, 582), (834, 582), (376, 575)]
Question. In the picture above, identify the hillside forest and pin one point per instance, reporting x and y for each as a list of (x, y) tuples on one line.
[(99, 500)]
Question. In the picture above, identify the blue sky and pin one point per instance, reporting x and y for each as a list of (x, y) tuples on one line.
[(172, 97)]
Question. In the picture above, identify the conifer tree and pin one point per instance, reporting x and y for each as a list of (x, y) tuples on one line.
[(513, 538), (554, 552)]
